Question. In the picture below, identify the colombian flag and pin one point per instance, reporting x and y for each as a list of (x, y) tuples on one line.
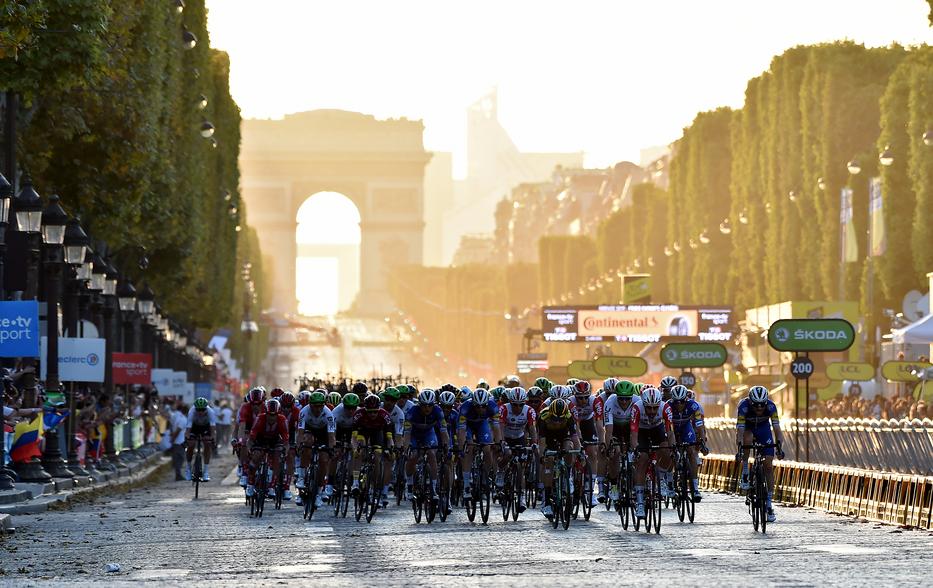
[(26, 436)]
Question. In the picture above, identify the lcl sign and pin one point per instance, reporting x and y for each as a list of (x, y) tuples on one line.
[(852, 371)]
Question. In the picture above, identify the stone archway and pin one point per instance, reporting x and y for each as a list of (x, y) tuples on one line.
[(378, 164)]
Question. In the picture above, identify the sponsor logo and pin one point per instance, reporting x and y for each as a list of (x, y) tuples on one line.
[(781, 334)]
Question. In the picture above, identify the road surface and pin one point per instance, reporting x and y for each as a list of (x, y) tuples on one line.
[(161, 536)]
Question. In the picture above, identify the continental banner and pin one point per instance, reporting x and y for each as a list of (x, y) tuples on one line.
[(602, 323)]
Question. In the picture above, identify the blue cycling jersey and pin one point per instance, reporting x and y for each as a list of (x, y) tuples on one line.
[(687, 414), (420, 424), (475, 415)]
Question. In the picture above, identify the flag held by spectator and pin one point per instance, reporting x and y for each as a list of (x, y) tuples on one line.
[(26, 436)]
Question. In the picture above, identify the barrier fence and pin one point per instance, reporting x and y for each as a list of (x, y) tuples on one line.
[(904, 446), (901, 499)]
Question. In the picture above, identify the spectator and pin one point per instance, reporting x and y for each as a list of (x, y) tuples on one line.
[(177, 425), (224, 423)]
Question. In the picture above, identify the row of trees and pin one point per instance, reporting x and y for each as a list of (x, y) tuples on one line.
[(114, 99)]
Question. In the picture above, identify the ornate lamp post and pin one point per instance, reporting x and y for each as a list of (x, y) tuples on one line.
[(76, 252), (6, 195)]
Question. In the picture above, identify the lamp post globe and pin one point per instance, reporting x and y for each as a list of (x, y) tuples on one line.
[(76, 243), (886, 157), (54, 221), (27, 207)]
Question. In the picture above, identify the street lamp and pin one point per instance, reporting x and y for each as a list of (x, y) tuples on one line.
[(76, 243), (668, 251), (704, 237), (725, 227), (854, 167), (188, 40), (179, 6), (677, 247), (928, 138), (146, 300), (6, 198), (202, 102), (743, 217), (126, 296), (207, 129), (821, 183), (28, 208), (792, 195), (53, 221), (886, 157), (110, 283)]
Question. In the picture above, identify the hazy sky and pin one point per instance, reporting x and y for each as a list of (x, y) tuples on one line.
[(604, 77)]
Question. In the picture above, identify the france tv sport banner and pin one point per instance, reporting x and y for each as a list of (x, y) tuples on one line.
[(79, 359), (19, 329), (132, 368)]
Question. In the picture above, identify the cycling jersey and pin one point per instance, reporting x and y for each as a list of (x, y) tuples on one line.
[(760, 425), (585, 411), (323, 421), (515, 423), (375, 426), (397, 416), (552, 427), (270, 428), (662, 417), (291, 419), (452, 421), (476, 420), (201, 418), (614, 414), (343, 418), (686, 419), (249, 413), (423, 428)]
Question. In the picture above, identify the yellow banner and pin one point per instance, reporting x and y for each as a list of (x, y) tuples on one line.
[(900, 371), (853, 371), (582, 370)]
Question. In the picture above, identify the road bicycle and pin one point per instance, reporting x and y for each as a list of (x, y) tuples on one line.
[(262, 477), (562, 500), (343, 480), (481, 489), (624, 502), (683, 485), (310, 491), (197, 466), (422, 501), (398, 478), (443, 484), (583, 484), (512, 478), (654, 503), (370, 484), (756, 497)]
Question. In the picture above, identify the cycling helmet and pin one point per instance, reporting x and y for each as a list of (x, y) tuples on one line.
[(639, 387), (481, 396), (558, 407), (625, 389), (482, 384), (571, 382), (427, 397), (679, 392), (200, 403), (332, 398), (447, 388), (535, 392), (287, 399), (392, 393), (255, 395), (467, 396), (544, 384), (276, 392), (272, 405), (371, 402), (447, 398), (360, 389), (581, 388), (518, 395), (512, 381), (497, 392), (667, 382), (303, 397), (651, 396), (407, 390), (609, 385), (351, 400), (566, 392), (758, 395), (317, 397), (463, 391)]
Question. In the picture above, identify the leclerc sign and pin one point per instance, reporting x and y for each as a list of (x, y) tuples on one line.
[(19, 329), (811, 335), (688, 355)]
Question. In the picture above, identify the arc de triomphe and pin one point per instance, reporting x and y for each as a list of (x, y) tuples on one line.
[(378, 164)]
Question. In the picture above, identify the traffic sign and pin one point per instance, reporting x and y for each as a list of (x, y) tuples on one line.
[(852, 371), (903, 371), (801, 368), (811, 335), (582, 370), (620, 367), (686, 355), (687, 379)]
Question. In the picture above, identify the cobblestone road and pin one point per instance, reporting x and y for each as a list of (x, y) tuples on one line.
[(161, 536)]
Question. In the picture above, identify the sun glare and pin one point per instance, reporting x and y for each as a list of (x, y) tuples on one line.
[(328, 236)]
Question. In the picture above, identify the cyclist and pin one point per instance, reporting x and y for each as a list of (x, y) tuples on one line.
[(392, 402), (667, 384), (654, 428), (516, 428), (291, 412), (535, 397), (588, 410), (373, 426), (558, 430), (343, 419), (544, 384), (303, 398), (620, 416), (461, 394), (756, 417), (497, 393), (609, 389), (246, 417), (276, 393), (332, 399), (512, 381), (268, 433), (482, 384), (202, 422), (406, 399), (687, 415), (422, 425), (319, 429), (478, 417)]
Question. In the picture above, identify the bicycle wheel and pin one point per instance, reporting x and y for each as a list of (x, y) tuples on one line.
[(554, 502), (347, 491), (505, 498), (362, 492), (456, 486), (312, 490), (531, 482), (417, 501), (485, 499), (398, 480), (691, 506), (443, 491), (577, 494), (682, 495), (657, 504), (623, 505), (375, 493), (259, 498), (196, 473), (586, 495), (567, 501), (762, 492), (338, 485), (430, 504)]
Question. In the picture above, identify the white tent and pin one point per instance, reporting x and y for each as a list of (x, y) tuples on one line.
[(920, 332)]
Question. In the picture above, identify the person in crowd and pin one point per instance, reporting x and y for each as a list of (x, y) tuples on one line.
[(177, 426)]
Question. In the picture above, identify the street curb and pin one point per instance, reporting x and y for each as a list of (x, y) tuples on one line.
[(137, 473), (6, 524)]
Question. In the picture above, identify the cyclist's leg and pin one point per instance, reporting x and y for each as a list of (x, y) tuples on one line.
[(641, 467)]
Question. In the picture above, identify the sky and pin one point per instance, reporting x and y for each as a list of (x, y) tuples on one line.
[(604, 77)]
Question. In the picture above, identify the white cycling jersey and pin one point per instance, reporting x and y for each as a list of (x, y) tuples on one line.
[(343, 417), (614, 414), (516, 422), (398, 420), (586, 411), (323, 420), (204, 418)]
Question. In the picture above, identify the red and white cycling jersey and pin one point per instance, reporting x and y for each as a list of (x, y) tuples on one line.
[(663, 417), (614, 414), (585, 411), (515, 423)]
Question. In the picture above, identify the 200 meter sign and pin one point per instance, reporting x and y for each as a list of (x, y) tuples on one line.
[(801, 368)]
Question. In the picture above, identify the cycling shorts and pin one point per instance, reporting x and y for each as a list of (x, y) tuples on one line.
[(686, 434), (479, 433), (200, 430), (762, 433), (344, 434), (318, 436), (426, 440), (588, 431), (648, 437)]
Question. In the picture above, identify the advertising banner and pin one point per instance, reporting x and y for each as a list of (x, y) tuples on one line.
[(79, 360), (903, 371), (19, 328), (179, 383), (811, 335), (689, 355), (636, 323), (202, 390), (188, 394), (582, 370), (132, 368), (609, 366), (162, 381), (528, 362), (852, 371), (636, 288)]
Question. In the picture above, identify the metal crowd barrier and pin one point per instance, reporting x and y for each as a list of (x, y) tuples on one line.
[(904, 446), (879, 496)]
